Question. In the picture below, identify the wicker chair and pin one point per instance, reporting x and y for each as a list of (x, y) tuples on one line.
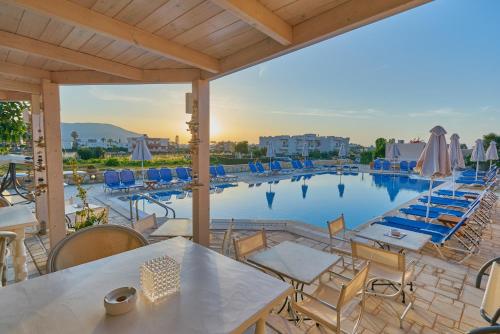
[(6, 238), (93, 243)]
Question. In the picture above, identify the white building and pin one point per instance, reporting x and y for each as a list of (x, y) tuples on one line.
[(409, 151), (93, 142), (155, 145), (290, 145)]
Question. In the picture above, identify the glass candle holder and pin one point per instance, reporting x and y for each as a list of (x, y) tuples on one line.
[(160, 277)]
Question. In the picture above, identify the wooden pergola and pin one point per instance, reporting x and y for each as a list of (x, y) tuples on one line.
[(47, 43)]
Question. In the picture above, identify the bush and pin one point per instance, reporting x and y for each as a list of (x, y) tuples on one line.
[(366, 157), (112, 162), (87, 153)]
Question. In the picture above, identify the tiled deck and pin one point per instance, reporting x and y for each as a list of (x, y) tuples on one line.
[(446, 299)]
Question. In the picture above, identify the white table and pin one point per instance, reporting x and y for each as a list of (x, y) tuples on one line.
[(175, 227), (16, 219), (10, 178), (218, 295), (412, 240), (71, 209)]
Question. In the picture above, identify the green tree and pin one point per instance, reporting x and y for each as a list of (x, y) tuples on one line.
[(241, 147), (12, 126), (74, 135), (380, 144), (491, 137)]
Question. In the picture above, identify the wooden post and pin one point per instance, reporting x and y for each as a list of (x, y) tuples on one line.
[(40, 176), (54, 165), (200, 155)]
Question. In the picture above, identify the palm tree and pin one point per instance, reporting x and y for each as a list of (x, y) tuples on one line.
[(74, 135)]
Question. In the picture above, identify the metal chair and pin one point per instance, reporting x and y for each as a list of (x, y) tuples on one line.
[(6, 238), (93, 243), (329, 307), (337, 227), (389, 267), (490, 306), (4, 202)]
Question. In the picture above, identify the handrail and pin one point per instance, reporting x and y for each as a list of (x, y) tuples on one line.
[(163, 205), (135, 200)]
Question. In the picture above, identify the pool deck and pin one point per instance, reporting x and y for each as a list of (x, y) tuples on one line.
[(446, 299)]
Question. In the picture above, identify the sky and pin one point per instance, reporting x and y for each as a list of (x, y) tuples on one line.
[(397, 78)]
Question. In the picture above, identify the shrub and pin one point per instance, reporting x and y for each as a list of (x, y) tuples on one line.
[(87, 153), (112, 162), (366, 157)]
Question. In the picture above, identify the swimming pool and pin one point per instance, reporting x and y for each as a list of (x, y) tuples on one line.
[(312, 199)]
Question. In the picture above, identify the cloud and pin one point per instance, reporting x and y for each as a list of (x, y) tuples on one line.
[(449, 112), (357, 114), (262, 71), (102, 94)]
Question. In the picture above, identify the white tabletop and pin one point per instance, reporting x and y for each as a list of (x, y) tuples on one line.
[(218, 295), (176, 227), (15, 159), (298, 262), (412, 240), (16, 216), (74, 208)]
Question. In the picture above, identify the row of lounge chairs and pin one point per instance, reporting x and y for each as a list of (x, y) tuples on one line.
[(218, 173), (257, 168), (468, 177), (404, 166)]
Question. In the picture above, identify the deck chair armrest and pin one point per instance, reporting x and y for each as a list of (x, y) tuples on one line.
[(317, 299), (450, 219)]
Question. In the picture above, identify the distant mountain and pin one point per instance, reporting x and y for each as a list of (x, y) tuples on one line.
[(95, 130)]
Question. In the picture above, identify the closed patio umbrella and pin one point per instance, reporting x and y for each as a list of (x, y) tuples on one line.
[(270, 152), (342, 151), (141, 152), (456, 157), (492, 152), (434, 160), (341, 187), (305, 150), (304, 190), (393, 153), (478, 154)]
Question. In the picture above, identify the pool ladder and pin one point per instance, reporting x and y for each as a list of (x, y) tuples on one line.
[(134, 203)]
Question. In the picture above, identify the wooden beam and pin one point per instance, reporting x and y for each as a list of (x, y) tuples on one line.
[(341, 19), (6, 96), (23, 71), (201, 162), (82, 17), (19, 86), (68, 56), (260, 17), (54, 164), (164, 76)]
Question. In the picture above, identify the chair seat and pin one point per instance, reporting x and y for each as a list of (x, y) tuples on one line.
[(387, 273), (321, 313)]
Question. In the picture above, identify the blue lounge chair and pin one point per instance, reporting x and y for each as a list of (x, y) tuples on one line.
[(377, 164), (222, 173), (183, 174), (166, 176), (445, 201), (252, 167), (279, 169), (153, 174), (112, 181), (449, 193), (404, 166), (127, 179), (296, 164), (300, 165), (412, 165), (260, 168), (386, 165), (434, 212), (213, 174)]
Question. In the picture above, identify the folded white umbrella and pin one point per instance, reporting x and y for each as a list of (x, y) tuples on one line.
[(478, 154), (393, 153), (270, 152), (141, 152), (305, 150), (492, 152), (456, 157), (342, 151), (434, 160)]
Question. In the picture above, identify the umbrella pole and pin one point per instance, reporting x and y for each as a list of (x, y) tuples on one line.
[(429, 201), (477, 168), (453, 181)]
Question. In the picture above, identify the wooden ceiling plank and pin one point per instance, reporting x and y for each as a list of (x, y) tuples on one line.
[(7, 96), (19, 86), (10, 17), (23, 71), (260, 17), (68, 56), (166, 14), (102, 24)]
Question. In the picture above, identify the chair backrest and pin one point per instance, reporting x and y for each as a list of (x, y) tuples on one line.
[(353, 288), (220, 170), (377, 164), (5, 238), (300, 165), (386, 165), (395, 261), (4, 202), (336, 226), (111, 177), (103, 213), (252, 167), (250, 244), (412, 164), (490, 306), (145, 224), (403, 165), (127, 176), (226, 241), (213, 171), (93, 243), (182, 173), (166, 174), (260, 167), (153, 174)]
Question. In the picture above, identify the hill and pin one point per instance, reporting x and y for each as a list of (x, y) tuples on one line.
[(95, 130)]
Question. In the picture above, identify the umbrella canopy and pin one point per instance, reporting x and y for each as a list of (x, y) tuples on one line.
[(304, 190), (478, 154), (341, 187), (342, 150), (305, 150), (393, 152), (141, 152), (270, 150), (456, 156), (434, 160), (492, 152)]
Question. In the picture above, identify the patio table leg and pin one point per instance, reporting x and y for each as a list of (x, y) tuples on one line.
[(19, 256), (260, 327)]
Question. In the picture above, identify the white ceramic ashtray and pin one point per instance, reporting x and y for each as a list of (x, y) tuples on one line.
[(120, 301)]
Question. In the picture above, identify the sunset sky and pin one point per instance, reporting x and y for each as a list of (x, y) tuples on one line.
[(397, 78)]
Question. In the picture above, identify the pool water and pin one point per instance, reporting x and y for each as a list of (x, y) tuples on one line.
[(312, 199)]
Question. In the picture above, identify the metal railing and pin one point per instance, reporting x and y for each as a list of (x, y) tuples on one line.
[(134, 203)]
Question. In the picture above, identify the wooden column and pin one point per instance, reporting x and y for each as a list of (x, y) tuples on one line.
[(40, 176), (54, 164), (201, 161)]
